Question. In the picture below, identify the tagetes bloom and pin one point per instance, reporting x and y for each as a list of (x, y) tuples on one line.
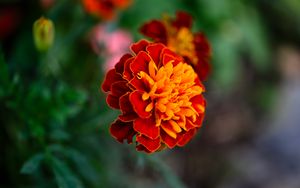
[(159, 95), (105, 9), (177, 35)]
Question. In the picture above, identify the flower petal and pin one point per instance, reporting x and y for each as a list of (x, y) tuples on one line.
[(203, 52), (119, 88), (154, 51), (155, 30), (199, 121), (183, 19), (198, 103), (122, 131), (169, 55), (127, 73), (113, 101), (168, 140), (139, 46), (139, 105), (111, 77), (146, 127), (140, 147), (151, 144), (185, 138), (128, 114), (140, 63), (139, 84), (120, 65)]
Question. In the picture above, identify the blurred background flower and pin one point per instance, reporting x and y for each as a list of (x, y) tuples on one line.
[(55, 122), (105, 9), (110, 44)]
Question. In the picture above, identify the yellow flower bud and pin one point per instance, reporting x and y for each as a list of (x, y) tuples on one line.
[(43, 33)]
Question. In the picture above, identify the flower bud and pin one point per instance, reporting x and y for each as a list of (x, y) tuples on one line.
[(43, 33)]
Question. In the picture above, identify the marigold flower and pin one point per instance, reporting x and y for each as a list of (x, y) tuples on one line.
[(105, 9), (159, 96), (177, 35)]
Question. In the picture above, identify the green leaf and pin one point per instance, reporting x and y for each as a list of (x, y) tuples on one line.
[(32, 164), (64, 176)]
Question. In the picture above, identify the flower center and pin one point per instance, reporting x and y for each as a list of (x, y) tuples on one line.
[(182, 42), (171, 88)]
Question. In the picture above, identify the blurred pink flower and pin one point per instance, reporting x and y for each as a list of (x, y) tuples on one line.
[(110, 44)]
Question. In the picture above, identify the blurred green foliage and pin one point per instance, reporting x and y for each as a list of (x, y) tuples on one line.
[(54, 119)]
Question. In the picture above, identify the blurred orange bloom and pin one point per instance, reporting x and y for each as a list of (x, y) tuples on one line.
[(177, 35), (159, 95), (105, 9)]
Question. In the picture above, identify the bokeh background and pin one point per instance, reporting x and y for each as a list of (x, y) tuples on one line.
[(54, 121)]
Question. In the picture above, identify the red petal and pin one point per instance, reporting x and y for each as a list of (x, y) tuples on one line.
[(169, 141), (203, 69), (199, 83), (155, 30), (139, 105), (146, 127), (185, 138), (140, 63), (168, 55), (128, 114), (154, 51), (199, 121), (189, 124), (202, 45), (139, 84), (110, 78), (120, 65), (198, 102), (113, 101), (127, 73), (203, 51), (139, 46), (122, 131), (151, 144), (119, 88), (142, 148), (183, 19)]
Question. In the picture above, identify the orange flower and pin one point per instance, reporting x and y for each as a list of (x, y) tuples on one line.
[(105, 9), (176, 34), (159, 95)]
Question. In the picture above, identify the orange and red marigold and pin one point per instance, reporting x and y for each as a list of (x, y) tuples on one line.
[(159, 95), (177, 35)]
